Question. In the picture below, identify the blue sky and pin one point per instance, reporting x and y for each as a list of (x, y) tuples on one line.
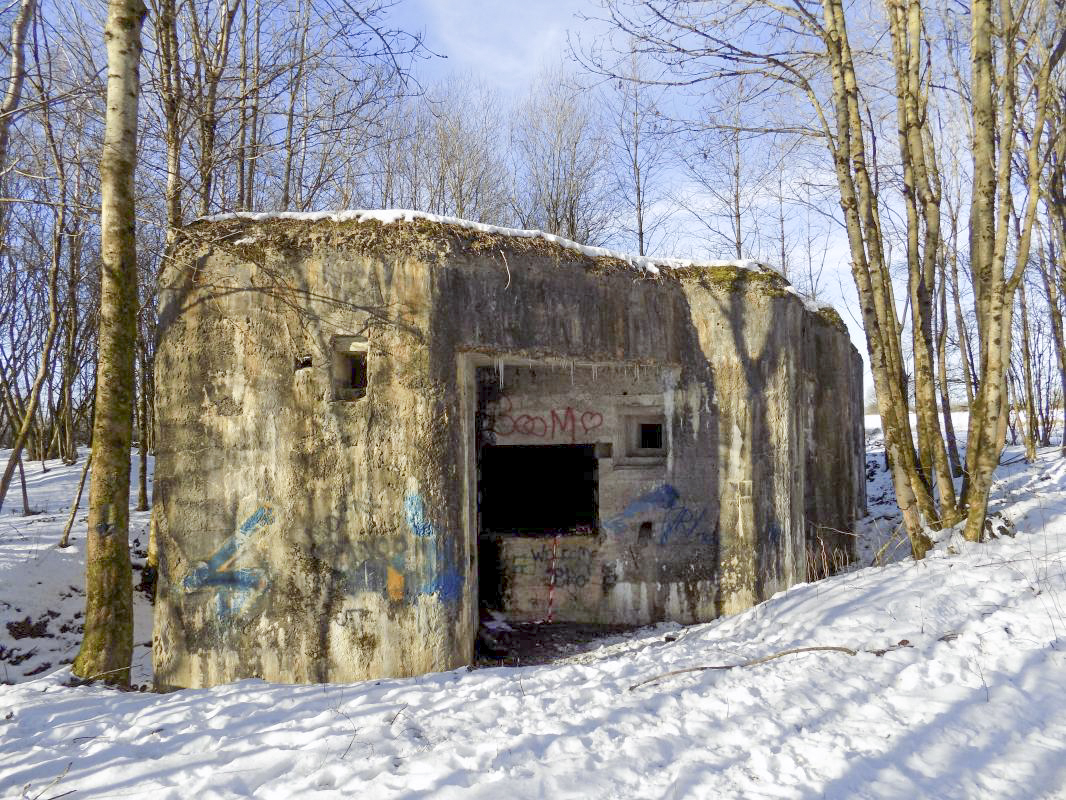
[(503, 42)]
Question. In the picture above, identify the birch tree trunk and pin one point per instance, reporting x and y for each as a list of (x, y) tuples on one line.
[(921, 192), (942, 365), (858, 201), (1051, 274), (107, 646), (142, 436), (996, 114), (17, 74), (1027, 379)]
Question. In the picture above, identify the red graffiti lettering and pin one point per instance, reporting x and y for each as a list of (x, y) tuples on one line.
[(560, 422), (591, 420), (530, 426), (565, 424)]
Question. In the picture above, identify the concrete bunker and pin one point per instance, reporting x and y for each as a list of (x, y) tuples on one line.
[(374, 427)]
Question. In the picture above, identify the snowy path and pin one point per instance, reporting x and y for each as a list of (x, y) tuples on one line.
[(973, 706)]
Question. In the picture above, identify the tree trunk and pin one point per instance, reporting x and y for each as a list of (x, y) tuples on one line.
[(17, 75), (8, 108), (64, 540), (858, 202), (1027, 380), (1050, 277), (107, 646), (290, 145), (44, 368), (25, 494), (921, 192), (142, 435), (993, 198), (942, 367)]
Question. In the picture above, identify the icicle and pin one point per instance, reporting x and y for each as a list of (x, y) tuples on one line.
[(499, 371)]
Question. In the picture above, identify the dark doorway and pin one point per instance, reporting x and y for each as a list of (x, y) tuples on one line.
[(539, 489), (531, 490)]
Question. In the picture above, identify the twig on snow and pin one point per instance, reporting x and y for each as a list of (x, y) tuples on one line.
[(26, 788), (763, 659)]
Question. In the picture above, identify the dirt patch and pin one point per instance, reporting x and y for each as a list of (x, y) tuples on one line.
[(530, 643), (14, 656), (27, 629)]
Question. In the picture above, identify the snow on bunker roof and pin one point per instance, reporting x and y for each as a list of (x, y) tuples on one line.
[(652, 265)]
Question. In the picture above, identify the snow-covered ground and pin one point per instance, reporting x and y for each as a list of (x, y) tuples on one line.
[(42, 589), (957, 689)]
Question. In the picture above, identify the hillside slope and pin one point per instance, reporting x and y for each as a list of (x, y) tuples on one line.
[(957, 689)]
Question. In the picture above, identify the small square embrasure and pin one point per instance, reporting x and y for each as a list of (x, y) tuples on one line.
[(651, 436), (645, 439), (350, 371)]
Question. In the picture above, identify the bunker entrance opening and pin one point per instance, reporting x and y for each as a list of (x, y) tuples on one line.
[(549, 441), (530, 492)]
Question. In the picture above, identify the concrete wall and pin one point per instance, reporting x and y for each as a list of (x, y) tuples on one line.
[(308, 537)]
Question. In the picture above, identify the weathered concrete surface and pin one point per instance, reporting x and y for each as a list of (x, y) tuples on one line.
[(307, 538)]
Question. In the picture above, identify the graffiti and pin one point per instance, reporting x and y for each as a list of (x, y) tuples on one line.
[(398, 569), (402, 569), (441, 574), (425, 566), (660, 498), (559, 423), (679, 521), (573, 565), (414, 509), (682, 522), (378, 569), (237, 588)]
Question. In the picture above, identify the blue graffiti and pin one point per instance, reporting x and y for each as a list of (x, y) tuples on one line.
[(236, 587), (414, 508), (370, 576), (773, 533), (447, 583), (261, 517), (660, 498), (681, 522), (442, 575)]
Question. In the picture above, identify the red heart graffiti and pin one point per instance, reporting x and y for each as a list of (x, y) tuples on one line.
[(591, 420)]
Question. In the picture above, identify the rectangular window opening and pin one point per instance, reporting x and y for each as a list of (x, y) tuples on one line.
[(643, 438), (651, 436), (539, 489), (350, 370), (357, 372)]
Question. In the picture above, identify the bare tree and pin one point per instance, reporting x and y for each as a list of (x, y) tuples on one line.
[(806, 55), (16, 74), (643, 157), (44, 367), (1053, 268), (562, 165), (1002, 94), (107, 645)]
